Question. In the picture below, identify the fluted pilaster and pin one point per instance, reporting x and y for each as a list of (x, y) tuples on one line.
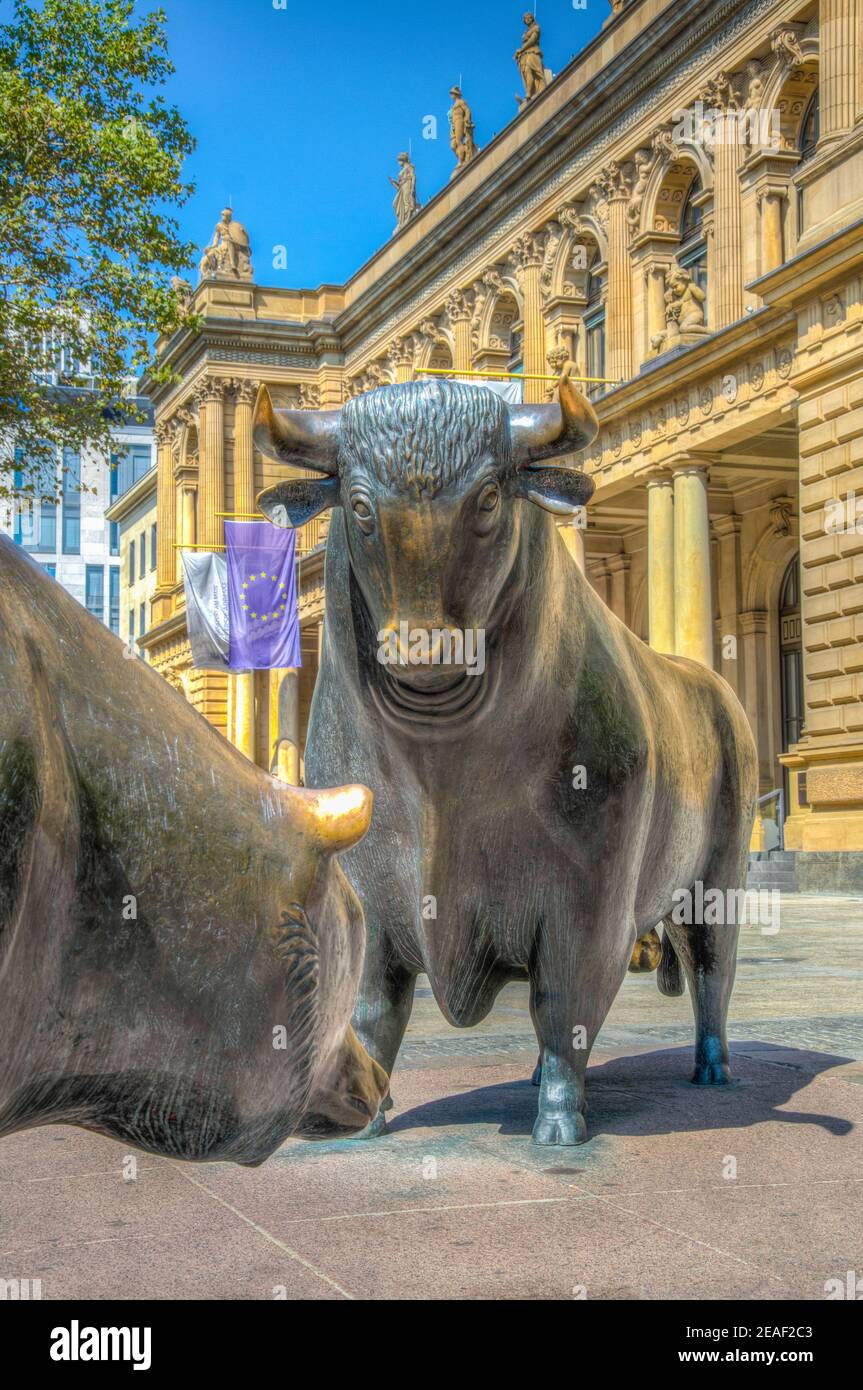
[(527, 254), (839, 75)]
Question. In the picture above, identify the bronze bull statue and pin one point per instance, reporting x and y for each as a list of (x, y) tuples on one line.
[(533, 817), (179, 949)]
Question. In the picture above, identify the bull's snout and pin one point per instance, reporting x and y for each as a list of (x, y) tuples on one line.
[(353, 1099), (429, 655)]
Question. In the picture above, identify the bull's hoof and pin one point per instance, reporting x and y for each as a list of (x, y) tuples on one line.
[(568, 1128), (375, 1128), (536, 1079), (712, 1074)]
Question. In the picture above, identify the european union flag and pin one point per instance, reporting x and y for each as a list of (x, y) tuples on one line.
[(262, 596)]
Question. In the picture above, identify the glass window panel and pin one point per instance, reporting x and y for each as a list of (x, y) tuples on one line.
[(94, 590)]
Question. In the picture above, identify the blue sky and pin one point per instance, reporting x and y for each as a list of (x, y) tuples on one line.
[(300, 112)]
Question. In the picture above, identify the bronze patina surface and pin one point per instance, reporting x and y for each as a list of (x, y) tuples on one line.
[(537, 816), (179, 949)]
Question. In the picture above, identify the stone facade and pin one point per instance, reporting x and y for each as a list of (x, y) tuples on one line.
[(679, 213)]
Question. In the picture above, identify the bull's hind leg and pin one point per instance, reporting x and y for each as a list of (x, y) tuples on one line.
[(381, 1016), (572, 991), (708, 953)]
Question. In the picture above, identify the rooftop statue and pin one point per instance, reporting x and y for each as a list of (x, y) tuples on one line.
[(229, 253), (405, 204), (530, 62), (461, 131)]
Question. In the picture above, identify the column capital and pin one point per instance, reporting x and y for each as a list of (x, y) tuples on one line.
[(210, 391), (527, 251), (688, 467), (459, 306), (247, 392), (654, 476), (725, 525), (619, 562), (753, 622)]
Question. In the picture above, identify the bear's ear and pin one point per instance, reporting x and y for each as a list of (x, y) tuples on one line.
[(292, 504), (558, 490)]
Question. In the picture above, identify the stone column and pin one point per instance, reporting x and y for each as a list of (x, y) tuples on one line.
[(189, 515), (655, 302), (166, 525), (459, 308), (726, 530), (211, 466), (527, 253), (613, 186), (839, 66), (245, 726), (572, 536), (618, 568), (726, 283), (660, 562), (401, 358), (288, 762), (693, 597), (771, 203)]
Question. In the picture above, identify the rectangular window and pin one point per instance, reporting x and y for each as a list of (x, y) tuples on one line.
[(131, 465), (115, 538), (71, 502), (94, 591), (131, 624), (131, 562), (47, 525), (153, 546), (114, 599), (595, 331), (142, 555), (142, 619)]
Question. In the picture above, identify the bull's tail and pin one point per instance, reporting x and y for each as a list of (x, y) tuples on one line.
[(670, 975)]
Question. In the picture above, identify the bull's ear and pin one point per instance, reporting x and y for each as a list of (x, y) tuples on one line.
[(558, 490), (292, 504)]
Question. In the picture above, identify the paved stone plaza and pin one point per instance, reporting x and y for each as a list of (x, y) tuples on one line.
[(457, 1203)]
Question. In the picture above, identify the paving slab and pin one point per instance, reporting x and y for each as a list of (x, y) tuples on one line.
[(750, 1191)]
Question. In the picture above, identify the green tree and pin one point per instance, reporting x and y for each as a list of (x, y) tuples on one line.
[(91, 161)]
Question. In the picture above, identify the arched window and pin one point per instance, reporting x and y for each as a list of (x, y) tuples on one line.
[(791, 655), (594, 328), (810, 128), (693, 243)]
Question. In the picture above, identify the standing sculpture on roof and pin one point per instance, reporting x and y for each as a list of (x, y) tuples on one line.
[(530, 62), (405, 203), (461, 131)]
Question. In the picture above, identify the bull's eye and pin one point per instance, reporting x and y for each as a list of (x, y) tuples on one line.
[(362, 511), (487, 504)]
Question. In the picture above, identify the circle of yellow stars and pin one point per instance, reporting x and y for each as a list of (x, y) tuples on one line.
[(247, 606)]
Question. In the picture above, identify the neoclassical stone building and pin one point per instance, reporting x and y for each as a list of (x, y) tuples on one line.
[(680, 212)]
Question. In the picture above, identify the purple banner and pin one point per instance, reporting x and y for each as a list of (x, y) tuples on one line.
[(262, 596)]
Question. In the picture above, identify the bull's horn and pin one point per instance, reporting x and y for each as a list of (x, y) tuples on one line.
[(301, 438), (336, 820), (541, 432)]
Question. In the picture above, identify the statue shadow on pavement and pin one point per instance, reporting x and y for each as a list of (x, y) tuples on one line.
[(623, 1092)]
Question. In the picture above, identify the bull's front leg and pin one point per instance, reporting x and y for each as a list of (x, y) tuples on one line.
[(574, 978), (382, 1012)]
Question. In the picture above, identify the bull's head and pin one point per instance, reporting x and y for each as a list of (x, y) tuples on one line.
[(429, 475)]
